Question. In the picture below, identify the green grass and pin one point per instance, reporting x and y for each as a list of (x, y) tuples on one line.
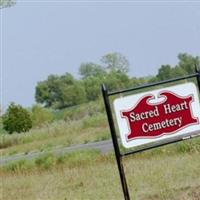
[(49, 161), (2, 131), (168, 173), (79, 111), (74, 125), (60, 133), (89, 175)]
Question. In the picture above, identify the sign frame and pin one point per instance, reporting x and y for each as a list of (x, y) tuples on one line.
[(118, 154), (167, 112)]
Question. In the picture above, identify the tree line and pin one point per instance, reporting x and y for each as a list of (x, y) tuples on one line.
[(7, 3), (59, 92)]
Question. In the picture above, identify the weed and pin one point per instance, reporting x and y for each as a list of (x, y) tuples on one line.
[(46, 161), (93, 176), (18, 166)]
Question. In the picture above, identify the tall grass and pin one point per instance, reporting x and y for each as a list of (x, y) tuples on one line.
[(50, 161), (87, 175), (74, 125), (59, 133), (79, 111)]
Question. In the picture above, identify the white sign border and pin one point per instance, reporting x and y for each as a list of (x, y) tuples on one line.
[(123, 103)]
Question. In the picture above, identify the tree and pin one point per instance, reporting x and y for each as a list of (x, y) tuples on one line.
[(185, 66), (114, 80), (164, 73), (117, 80), (115, 62), (7, 3), (188, 62), (178, 72), (60, 91), (16, 119), (40, 116), (87, 70), (92, 87), (134, 82), (70, 95), (1, 110)]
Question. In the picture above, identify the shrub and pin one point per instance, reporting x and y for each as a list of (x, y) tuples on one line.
[(16, 119), (19, 166), (46, 161), (79, 112), (40, 116), (94, 121)]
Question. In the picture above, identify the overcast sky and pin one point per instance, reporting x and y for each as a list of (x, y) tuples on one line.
[(39, 38)]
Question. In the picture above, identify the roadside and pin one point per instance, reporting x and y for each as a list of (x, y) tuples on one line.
[(102, 146)]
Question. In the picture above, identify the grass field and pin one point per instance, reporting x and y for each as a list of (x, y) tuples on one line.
[(60, 133), (168, 173), (84, 176)]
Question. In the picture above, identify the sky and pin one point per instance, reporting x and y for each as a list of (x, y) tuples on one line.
[(39, 38)]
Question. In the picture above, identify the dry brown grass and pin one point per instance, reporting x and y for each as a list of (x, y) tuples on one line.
[(159, 177)]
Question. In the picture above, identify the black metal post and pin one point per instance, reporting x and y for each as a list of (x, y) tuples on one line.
[(115, 143), (198, 76), (118, 154)]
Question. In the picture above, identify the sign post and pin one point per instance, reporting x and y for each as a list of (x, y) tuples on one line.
[(115, 143), (152, 119)]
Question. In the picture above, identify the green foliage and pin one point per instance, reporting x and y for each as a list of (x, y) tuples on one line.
[(7, 3), (8, 140), (115, 62), (19, 166), (165, 72), (188, 147), (2, 130), (60, 91), (187, 62), (65, 91), (87, 70), (168, 72), (93, 76), (82, 157), (50, 160), (113, 79), (40, 116), (16, 119), (93, 87), (79, 111), (43, 95), (77, 158), (94, 121), (185, 66), (134, 82), (46, 161), (117, 80)]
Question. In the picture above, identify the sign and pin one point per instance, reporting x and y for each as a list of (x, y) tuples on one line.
[(157, 115)]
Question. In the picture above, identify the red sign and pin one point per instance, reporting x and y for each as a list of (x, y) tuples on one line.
[(148, 120), (157, 115)]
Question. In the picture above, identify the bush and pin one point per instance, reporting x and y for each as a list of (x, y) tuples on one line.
[(46, 161), (16, 119), (40, 116), (79, 112), (19, 166)]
